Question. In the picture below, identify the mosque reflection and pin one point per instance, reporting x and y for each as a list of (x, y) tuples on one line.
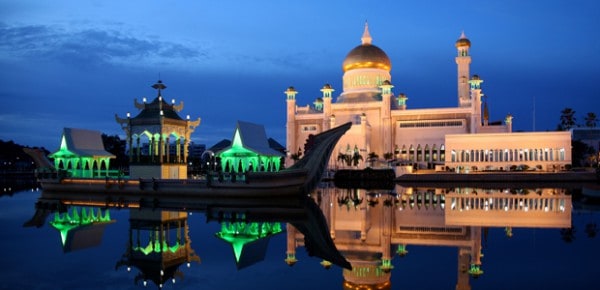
[(370, 227), (359, 230)]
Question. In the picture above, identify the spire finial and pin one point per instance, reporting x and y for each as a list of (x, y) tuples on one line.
[(366, 38), (159, 86), (462, 35)]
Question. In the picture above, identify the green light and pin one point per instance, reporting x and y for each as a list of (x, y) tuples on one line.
[(238, 234), (157, 248), (475, 270), (64, 222), (401, 251)]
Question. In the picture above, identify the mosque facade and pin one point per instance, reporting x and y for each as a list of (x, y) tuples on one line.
[(385, 128)]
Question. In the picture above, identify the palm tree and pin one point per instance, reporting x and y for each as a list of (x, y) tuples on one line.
[(388, 156), (567, 119), (372, 158), (356, 157), (344, 158), (591, 120), (296, 156), (568, 234), (341, 157)]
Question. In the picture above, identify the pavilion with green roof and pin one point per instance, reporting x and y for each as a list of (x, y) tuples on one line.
[(82, 154), (249, 150)]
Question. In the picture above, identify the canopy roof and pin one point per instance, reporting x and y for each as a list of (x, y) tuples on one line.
[(252, 137), (82, 143)]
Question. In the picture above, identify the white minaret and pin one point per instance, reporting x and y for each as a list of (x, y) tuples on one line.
[(327, 91), (290, 139), (463, 60), (386, 120), (476, 95)]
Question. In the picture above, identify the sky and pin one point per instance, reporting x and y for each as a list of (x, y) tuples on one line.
[(78, 63)]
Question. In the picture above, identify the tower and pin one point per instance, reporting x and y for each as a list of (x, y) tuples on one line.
[(386, 120), (476, 95), (158, 138), (290, 139), (463, 60), (327, 91)]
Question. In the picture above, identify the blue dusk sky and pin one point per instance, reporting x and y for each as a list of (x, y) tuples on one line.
[(78, 63)]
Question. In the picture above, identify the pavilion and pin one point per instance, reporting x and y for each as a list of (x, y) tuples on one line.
[(158, 138), (82, 154), (249, 150)]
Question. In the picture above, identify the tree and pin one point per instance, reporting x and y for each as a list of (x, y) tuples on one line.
[(345, 158), (580, 152), (310, 142), (116, 146), (296, 156), (388, 156), (567, 119), (356, 157), (372, 158), (591, 120), (341, 158)]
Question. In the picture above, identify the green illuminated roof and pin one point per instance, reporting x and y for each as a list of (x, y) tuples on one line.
[(249, 137), (81, 143)]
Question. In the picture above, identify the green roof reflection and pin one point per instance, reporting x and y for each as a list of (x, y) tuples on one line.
[(155, 246), (77, 217), (238, 234)]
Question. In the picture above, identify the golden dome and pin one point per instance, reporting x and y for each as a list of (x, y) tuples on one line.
[(366, 55), (463, 41)]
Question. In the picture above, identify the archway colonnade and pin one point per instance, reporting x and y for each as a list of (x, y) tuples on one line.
[(79, 166), (158, 148)]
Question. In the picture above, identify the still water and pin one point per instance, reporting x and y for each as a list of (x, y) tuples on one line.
[(402, 238)]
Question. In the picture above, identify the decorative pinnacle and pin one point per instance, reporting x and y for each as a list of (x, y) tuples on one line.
[(159, 86), (366, 37)]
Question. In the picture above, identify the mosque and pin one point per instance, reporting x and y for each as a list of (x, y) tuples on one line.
[(384, 128)]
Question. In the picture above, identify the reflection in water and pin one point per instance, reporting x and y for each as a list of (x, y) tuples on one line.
[(81, 227), (12, 184), (158, 239), (249, 240), (360, 231), (371, 226), (158, 245)]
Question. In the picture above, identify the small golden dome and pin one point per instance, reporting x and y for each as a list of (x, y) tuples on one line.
[(463, 41)]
